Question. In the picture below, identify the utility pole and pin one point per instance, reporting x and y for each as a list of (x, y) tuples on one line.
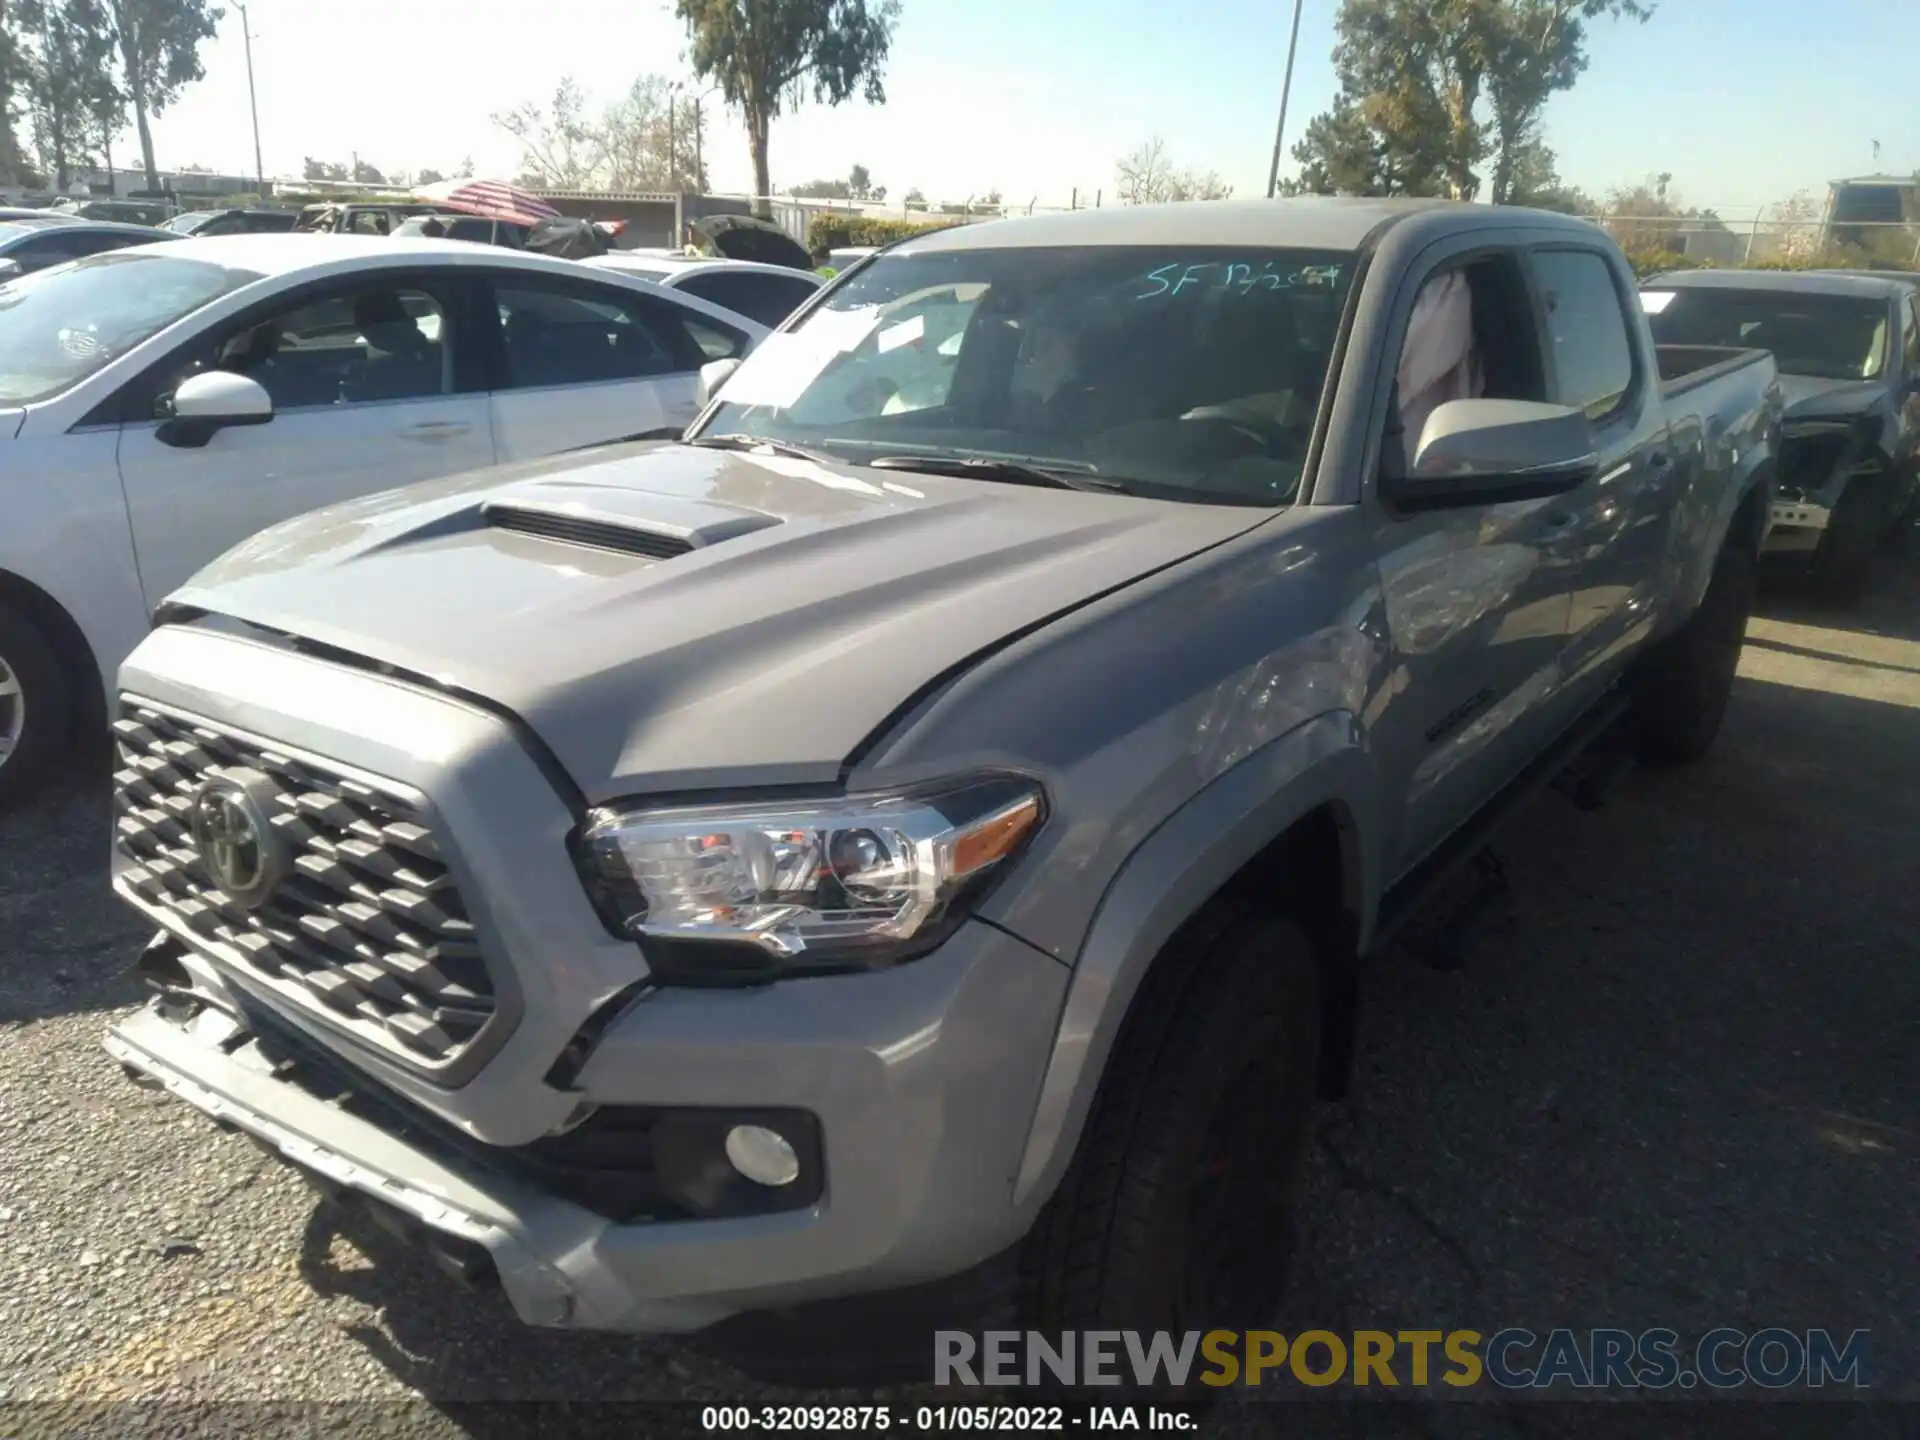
[(699, 166), (253, 105), (673, 148), (1286, 88)]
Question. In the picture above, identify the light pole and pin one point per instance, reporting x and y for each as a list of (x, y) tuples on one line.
[(1286, 87), (253, 106)]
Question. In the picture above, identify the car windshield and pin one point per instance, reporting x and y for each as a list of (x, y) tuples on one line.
[(1188, 373), (1827, 337), (59, 326)]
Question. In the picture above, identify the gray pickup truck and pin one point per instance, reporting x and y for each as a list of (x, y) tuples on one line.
[(903, 851), (1847, 345)]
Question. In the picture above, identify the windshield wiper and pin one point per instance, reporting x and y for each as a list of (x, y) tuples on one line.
[(738, 441), (980, 467)]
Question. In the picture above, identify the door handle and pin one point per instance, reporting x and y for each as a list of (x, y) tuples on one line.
[(436, 430)]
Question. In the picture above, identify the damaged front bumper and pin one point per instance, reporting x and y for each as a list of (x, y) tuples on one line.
[(911, 1119)]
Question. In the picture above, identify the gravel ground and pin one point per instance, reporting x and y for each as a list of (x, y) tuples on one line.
[(1675, 1084)]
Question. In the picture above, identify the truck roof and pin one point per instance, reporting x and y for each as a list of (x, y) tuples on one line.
[(1319, 222), (1797, 282)]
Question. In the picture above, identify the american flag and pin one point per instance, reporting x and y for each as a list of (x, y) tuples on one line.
[(490, 198)]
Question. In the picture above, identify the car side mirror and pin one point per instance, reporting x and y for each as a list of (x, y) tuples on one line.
[(210, 402), (1486, 452), (713, 375)]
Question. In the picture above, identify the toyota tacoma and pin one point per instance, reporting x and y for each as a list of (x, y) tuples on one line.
[(903, 851)]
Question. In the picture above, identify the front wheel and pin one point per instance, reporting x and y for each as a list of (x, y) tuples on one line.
[(35, 702), (1679, 693), (1174, 1214)]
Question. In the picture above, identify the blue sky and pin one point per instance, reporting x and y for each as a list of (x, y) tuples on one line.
[(1744, 101)]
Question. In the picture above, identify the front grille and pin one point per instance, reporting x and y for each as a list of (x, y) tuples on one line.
[(367, 928), (595, 534)]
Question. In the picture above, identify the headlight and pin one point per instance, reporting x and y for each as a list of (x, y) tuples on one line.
[(738, 893)]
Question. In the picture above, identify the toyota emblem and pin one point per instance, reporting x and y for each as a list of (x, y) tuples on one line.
[(239, 848)]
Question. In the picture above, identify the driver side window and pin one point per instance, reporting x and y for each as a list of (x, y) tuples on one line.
[(350, 346)]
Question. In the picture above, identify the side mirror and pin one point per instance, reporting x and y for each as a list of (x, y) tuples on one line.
[(210, 402), (1485, 452), (713, 375), (10, 270)]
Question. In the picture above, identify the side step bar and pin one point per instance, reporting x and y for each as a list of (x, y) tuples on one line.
[(1460, 848)]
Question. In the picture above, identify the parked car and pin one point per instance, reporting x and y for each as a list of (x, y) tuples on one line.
[(126, 212), (34, 243), (763, 293), (860, 869), (159, 405), (207, 223), (29, 212), (1848, 348), (477, 229), (361, 218)]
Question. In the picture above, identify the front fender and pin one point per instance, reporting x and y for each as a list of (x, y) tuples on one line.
[(1172, 873)]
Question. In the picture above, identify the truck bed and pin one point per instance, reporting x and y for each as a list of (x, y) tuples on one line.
[(1687, 367)]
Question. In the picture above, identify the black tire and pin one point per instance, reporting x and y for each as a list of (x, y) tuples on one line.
[(1843, 566), (1679, 693), (36, 706), (1175, 1213)]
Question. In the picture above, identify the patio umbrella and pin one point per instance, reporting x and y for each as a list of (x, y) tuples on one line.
[(745, 237), (490, 198)]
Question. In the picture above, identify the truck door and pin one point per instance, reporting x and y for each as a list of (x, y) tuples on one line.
[(1476, 595), (1620, 521)]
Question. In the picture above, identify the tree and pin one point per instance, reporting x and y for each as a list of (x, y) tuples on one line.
[(860, 183), (365, 174), (1147, 176), (822, 190), (1798, 219), (646, 140), (915, 200), (465, 172), (558, 147), (428, 176), (14, 169), (69, 79), (312, 169), (159, 46), (1431, 91), (766, 54)]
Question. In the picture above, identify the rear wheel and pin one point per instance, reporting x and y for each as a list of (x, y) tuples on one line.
[(35, 705), (1679, 693)]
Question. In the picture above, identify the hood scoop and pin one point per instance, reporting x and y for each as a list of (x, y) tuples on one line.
[(575, 529), (650, 525)]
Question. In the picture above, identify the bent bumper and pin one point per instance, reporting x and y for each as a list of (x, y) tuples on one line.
[(923, 1105), (1797, 526)]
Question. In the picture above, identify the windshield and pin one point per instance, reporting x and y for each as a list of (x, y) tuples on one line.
[(59, 326), (1828, 337), (1188, 373)]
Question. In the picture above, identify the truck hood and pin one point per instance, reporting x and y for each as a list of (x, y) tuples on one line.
[(1808, 397), (786, 611)]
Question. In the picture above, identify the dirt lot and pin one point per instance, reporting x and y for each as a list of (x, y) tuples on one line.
[(1677, 1083)]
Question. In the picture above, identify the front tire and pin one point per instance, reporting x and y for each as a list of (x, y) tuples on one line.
[(1175, 1212), (1844, 565), (35, 706), (1679, 693)]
